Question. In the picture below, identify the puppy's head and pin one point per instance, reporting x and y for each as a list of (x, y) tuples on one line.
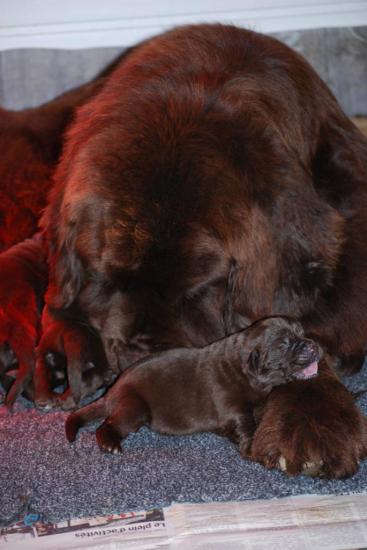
[(281, 353)]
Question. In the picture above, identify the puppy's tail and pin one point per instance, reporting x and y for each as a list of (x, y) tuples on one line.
[(85, 415)]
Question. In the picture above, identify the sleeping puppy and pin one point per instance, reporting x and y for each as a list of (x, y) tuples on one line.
[(23, 279), (214, 388), (30, 142), (85, 373)]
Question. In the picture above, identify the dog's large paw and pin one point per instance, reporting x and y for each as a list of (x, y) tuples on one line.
[(311, 427)]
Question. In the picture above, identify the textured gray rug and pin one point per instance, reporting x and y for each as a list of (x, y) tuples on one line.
[(41, 472)]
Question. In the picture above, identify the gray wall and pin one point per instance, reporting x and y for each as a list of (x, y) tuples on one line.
[(31, 77), (340, 58)]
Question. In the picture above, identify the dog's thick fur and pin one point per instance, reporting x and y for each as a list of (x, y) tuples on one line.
[(214, 388), (215, 180), (31, 142)]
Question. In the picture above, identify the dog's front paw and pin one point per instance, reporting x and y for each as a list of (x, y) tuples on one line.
[(311, 428)]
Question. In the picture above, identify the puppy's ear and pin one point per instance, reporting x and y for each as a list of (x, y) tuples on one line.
[(254, 361)]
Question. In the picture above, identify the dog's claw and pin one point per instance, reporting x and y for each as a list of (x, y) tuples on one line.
[(282, 464), (309, 468), (312, 469)]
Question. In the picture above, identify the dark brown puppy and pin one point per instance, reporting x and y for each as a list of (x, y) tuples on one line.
[(214, 388), (23, 279), (214, 181), (23, 317), (30, 143), (85, 372)]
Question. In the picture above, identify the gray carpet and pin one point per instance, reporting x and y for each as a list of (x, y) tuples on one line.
[(41, 472)]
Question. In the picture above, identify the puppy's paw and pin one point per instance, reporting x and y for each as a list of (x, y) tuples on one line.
[(66, 401), (311, 469), (46, 401), (108, 439)]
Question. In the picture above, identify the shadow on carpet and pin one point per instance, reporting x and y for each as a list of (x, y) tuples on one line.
[(41, 472)]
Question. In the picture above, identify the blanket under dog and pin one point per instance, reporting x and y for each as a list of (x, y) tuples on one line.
[(41, 472)]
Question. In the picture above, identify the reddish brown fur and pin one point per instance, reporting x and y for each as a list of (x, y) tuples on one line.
[(214, 180), (23, 280), (30, 143), (298, 425), (179, 173)]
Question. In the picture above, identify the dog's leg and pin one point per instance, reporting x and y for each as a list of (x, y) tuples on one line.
[(311, 426), (90, 413), (50, 342), (131, 414), (23, 348), (239, 428)]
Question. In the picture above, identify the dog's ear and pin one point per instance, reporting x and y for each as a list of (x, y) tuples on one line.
[(234, 320), (66, 271)]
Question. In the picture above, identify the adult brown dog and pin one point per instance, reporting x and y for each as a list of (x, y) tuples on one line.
[(214, 388), (215, 180)]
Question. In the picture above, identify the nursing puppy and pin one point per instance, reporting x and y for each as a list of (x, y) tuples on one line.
[(214, 388), (80, 377), (31, 142), (23, 279), (25, 365)]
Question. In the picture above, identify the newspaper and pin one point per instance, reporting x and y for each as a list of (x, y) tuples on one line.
[(294, 523)]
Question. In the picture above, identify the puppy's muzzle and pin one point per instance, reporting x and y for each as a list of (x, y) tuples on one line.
[(307, 356), (305, 351)]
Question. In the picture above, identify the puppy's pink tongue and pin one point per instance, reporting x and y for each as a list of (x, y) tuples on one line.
[(311, 370)]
